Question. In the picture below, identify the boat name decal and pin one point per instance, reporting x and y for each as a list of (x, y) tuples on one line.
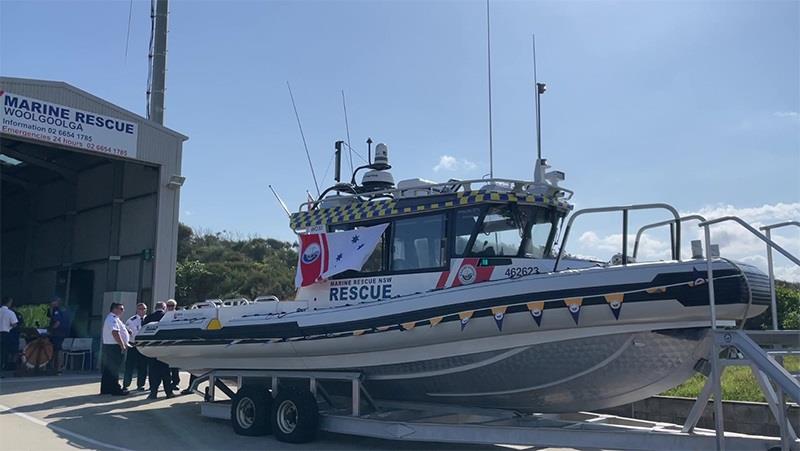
[(361, 289)]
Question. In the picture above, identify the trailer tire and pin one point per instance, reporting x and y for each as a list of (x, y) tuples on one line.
[(250, 409), (295, 416)]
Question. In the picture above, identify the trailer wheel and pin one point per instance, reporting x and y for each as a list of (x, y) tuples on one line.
[(250, 409), (295, 415)]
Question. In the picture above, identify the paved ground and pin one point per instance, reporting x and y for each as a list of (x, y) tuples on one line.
[(65, 412)]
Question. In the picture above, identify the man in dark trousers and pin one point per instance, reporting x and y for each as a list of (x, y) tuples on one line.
[(134, 359), (158, 371), (115, 343)]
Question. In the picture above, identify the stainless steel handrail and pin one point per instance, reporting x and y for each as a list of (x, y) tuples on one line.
[(773, 300), (659, 224), (755, 232), (516, 186), (676, 250)]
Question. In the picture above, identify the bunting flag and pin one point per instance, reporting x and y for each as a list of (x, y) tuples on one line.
[(435, 321), (408, 326), (359, 332), (536, 309), (574, 306), (654, 290), (465, 317), (615, 302), (697, 278), (382, 328), (499, 314)]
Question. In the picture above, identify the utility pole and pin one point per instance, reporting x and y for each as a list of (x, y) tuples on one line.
[(159, 69)]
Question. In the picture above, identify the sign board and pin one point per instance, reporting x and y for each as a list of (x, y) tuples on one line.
[(61, 125)]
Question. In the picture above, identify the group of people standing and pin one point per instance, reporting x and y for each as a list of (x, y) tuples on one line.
[(117, 344)]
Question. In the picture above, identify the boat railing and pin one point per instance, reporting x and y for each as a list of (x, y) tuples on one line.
[(670, 222), (625, 209), (765, 367), (453, 186)]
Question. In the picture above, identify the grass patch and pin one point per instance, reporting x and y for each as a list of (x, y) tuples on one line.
[(738, 383)]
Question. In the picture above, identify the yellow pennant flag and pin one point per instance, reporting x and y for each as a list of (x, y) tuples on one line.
[(435, 321)]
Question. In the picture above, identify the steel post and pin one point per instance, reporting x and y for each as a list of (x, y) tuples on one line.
[(773, 301), (716, 375)]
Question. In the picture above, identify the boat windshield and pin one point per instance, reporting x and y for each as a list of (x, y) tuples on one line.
[(504, 230)]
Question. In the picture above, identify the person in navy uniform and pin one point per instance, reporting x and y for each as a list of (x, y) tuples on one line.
[(115, 343), (175, 376), (58, 329), (135, 359), (158, 371)]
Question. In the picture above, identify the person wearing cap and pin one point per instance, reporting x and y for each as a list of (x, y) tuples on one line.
[(175, 377), (116, 341), (135, 359)]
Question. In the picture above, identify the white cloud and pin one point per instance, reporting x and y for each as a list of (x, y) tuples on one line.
[(735, 242), (789, 114), (451, 163)]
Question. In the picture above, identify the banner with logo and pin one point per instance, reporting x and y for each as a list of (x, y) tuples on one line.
[(56, 124)]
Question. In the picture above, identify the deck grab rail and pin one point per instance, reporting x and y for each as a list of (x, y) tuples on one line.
[(671, 223), (676, 248)]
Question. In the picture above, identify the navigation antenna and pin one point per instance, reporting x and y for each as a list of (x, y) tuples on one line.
[(303, 136), (540, 89), (347, 129), (489, 66)]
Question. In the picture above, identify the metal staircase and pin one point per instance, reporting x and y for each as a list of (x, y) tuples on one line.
[(774, 380)]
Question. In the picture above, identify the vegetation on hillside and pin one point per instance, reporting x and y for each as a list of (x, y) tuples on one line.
[(221, 266)]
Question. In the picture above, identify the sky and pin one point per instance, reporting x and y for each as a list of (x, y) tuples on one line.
[(696, 104)]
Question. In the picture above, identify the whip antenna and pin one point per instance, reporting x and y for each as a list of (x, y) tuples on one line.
[(303, 136), (280, 201), (489, 65), (347, 129)]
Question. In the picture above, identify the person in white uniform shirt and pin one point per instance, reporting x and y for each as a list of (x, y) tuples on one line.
[(8, 320), (134, 359), (116, 341)]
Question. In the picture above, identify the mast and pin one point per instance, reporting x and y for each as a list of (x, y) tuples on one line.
[(159, 63)]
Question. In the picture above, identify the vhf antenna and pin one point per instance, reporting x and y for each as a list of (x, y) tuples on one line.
[(540, 89), (489, 67), (302, 135)]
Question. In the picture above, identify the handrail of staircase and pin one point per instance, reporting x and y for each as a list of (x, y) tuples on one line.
[(676, 250), (755, 232), (661, 223), (773, 300)]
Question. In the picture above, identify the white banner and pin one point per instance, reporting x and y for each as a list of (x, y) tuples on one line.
[(65, 126)]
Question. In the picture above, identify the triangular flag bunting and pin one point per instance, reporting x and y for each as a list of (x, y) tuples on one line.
[(574, 306), (499, 314), (359, 332), (435, 321), (465, 317), (615, 302), (382, 328), (654, 290), (408, 326), (536, 309)]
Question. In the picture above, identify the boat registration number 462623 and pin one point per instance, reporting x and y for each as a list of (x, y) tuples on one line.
[(521, 271)]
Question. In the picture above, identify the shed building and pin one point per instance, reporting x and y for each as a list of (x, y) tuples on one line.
[(89, 201)]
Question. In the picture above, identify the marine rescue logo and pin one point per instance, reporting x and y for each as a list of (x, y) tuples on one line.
[(311, 253), (466, 275)]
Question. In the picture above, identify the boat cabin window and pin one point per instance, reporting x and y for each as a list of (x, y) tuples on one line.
[(504, 230), (418, 243)]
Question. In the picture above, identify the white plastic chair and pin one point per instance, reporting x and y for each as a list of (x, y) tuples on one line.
[(66, 347), (80, 347)]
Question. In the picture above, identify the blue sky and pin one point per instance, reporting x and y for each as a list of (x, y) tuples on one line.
[(692, 103)]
